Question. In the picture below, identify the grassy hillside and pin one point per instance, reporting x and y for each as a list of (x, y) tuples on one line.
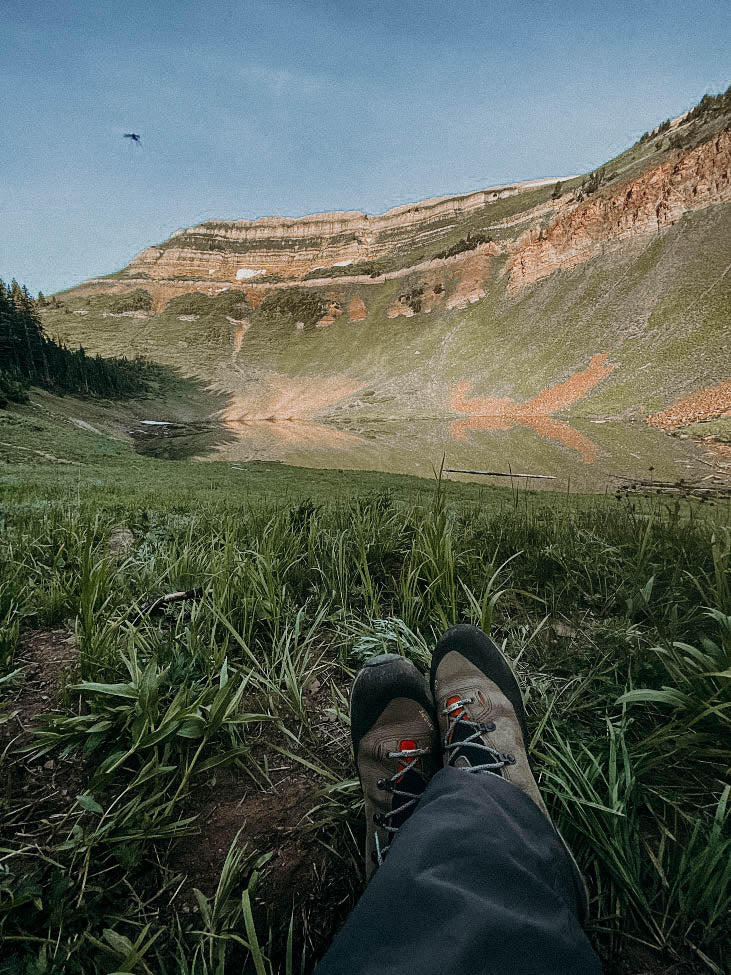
[(433, 323), (659, 306)]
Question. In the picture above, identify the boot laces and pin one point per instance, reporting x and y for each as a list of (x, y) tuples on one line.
[(409, 758), (456, 715)]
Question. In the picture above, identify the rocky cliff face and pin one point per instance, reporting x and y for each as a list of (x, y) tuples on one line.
[(658, 198), (261, 255), (244, 250), (447, 252)]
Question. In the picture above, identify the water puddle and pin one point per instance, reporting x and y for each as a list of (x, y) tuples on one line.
[(584, 455)]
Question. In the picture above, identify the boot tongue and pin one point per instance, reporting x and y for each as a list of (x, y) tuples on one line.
[(410, 780), (470, 754)]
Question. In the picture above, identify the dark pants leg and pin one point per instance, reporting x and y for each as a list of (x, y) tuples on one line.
[(476, 881)]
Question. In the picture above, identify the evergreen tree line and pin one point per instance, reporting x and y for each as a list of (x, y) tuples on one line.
[(28, 357)]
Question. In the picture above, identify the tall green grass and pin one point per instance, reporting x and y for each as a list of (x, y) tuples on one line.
[(617, 618)]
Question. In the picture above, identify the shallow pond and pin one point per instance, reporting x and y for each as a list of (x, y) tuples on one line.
[(583, 455)]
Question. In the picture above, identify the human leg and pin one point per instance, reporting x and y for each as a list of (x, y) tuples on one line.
[(477, 881)]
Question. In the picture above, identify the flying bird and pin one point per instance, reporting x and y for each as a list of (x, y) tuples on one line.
[(134, 137)]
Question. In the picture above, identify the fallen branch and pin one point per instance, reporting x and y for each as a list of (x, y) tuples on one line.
[(457, 470)]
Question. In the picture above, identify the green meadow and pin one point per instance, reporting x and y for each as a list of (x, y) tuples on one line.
[(177, 792)]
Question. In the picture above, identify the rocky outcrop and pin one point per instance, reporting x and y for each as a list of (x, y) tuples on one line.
[(654, 200), (473, 278), (357, 310), (333, 311), (260, 256), (244, 250)]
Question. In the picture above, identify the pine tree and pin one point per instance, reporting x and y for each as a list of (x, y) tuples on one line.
[(28, 356)]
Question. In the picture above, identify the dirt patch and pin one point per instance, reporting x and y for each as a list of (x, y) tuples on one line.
[(241, 327), (502, 413), (48, 657), (34, 793), (313, 876), (275, 820), (707, 404), (278, 397), (266, 819), (638, 959)]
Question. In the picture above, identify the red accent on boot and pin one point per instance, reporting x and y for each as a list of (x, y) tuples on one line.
[(406, 745), (455, 715)]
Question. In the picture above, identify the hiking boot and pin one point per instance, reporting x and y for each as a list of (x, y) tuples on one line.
[(395, 744), (480, 709), (482, 719)]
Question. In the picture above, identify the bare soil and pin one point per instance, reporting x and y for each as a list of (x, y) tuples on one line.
[(35, 795)]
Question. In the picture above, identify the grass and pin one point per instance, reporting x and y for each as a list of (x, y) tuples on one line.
[(615, 614)]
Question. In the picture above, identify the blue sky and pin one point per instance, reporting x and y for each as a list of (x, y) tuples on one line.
[(262, 107)]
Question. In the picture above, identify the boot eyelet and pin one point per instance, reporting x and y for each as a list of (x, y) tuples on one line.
[(381, 784), (510, 759)]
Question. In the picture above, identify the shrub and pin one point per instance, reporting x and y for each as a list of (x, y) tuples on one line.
[(468, 243), (413, 299), (295, 304), (12, 390), (591, 183), (374, 268), (232, 302), (138, 300), (710, 106)]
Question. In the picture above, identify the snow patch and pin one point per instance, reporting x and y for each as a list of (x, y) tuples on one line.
[(342, 263), (244, 273)]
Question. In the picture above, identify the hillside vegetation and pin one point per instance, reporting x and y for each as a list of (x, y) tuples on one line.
[(29, 357)]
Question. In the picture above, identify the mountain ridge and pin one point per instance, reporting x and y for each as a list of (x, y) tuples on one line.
[(511, 292)]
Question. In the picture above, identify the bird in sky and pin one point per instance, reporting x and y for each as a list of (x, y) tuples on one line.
[(134, 137)]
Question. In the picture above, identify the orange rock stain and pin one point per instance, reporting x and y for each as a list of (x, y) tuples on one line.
[(708, 404), (356, 310), (502, 413)]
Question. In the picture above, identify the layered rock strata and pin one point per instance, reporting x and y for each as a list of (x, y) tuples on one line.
[(244, 250)]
